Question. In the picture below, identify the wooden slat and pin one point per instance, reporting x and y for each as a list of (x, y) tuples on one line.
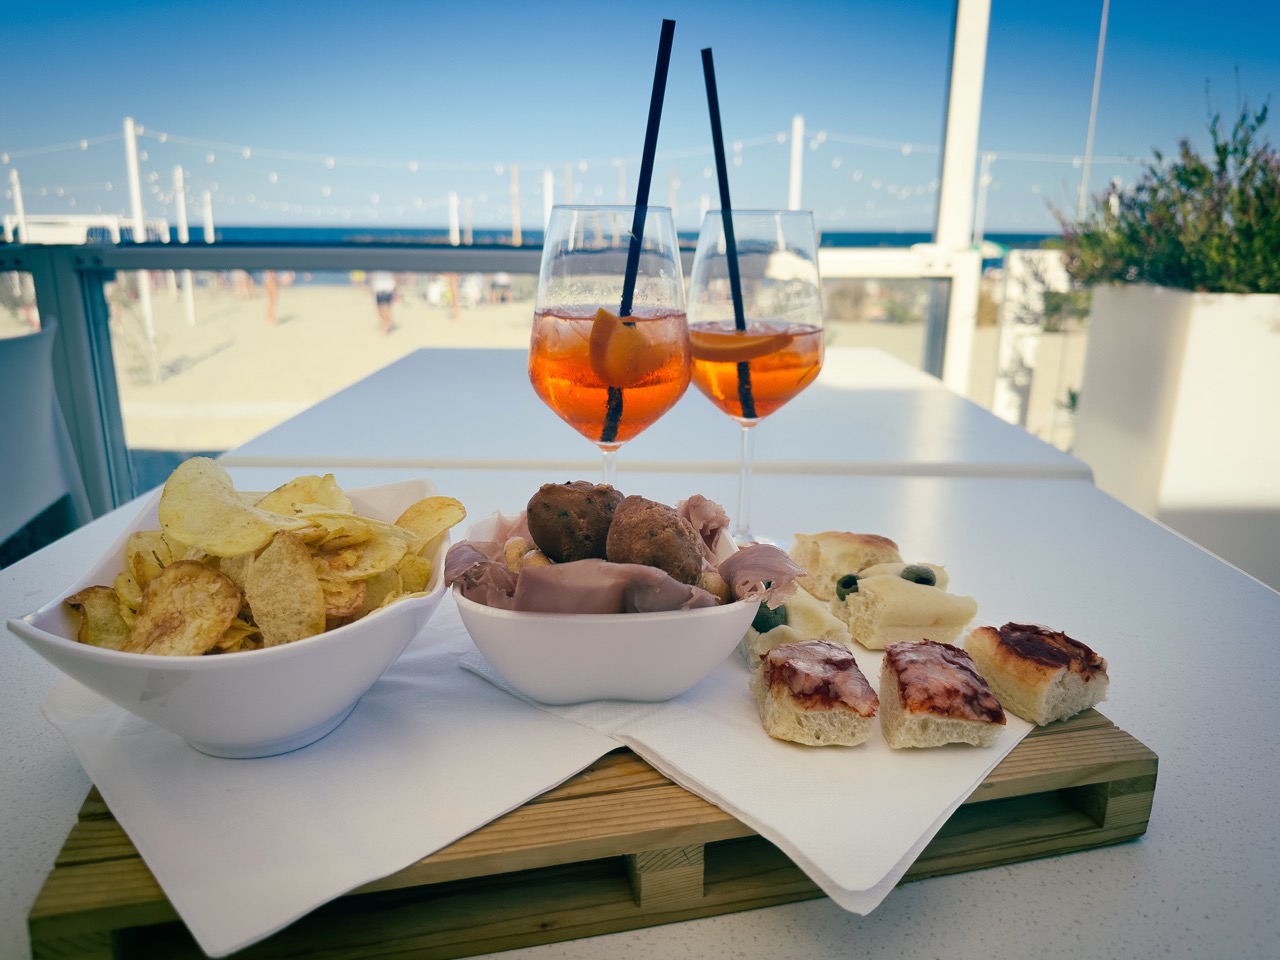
[(615, 847)]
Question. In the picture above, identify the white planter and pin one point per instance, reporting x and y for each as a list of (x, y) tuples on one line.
[(1177, 414)]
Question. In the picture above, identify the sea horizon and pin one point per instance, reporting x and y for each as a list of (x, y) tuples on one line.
[(490, 236)]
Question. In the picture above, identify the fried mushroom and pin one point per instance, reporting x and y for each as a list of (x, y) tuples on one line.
[(645, 531), (571, 521)]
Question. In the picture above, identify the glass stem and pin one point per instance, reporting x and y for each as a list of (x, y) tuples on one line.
[(742, 520), (610, 464)]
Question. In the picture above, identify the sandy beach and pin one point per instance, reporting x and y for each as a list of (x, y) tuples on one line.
[(216, 383)]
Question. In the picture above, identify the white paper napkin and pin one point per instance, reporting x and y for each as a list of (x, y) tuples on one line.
[(853, 819), (242, 848)]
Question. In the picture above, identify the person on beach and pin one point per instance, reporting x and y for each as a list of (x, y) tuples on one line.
[(271, 284), (384, 294)]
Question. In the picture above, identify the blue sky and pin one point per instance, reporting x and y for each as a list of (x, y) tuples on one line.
[(325, 113)]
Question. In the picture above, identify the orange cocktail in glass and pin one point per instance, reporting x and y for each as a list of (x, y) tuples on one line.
[(609, 348), (608, 378), (782, 359), (755, 312)]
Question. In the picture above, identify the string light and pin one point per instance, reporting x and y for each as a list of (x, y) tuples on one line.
[(387, 202)]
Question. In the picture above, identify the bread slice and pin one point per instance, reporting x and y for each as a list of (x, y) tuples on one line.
[(826, 557), (883, 608), (802, 617), (931, 694), (1038, 674), (813, 693)]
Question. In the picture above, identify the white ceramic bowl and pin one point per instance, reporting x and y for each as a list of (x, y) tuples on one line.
[(557, 658), (252, 704)]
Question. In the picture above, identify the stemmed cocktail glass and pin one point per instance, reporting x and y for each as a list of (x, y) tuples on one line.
[(609, 351), (755, 321)]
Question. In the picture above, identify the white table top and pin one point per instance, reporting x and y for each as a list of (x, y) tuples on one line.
[(1188, 639), (868, 413)]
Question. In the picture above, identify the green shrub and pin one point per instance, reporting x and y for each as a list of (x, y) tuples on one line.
[(1192, 223)]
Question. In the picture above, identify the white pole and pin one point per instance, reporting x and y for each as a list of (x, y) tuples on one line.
[(797, 162), (954, 229), (517, 239), (184, 236), (454, 233), (466, 221), (980, 214), (548, 195), (171, 276), (964, 108), (19, 211), (180, 198), (1093, 114), (135, 181), (208, 217), (140, 236)]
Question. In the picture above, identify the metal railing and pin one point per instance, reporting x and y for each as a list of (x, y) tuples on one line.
[(69, 285)]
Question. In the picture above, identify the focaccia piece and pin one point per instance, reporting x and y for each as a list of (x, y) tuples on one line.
[(932, 694), (911, 571), (802, 617), (1039, 674), (883, 608), (813, 693), (828, 556)]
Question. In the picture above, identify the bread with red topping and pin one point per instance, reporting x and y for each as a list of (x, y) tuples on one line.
[(812, 692), (1039, 674), (932, 694)]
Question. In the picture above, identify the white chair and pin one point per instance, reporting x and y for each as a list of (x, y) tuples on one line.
[(38, 466)]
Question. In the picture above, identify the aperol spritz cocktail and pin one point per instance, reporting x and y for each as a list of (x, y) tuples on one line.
[(609, 356), (757, 347)]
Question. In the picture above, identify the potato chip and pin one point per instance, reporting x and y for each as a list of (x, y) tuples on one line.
[(363, 560), (377, 588), (336, 520), (237, 568), (127, 590), (415, 572), (234, 637), (146, 553), (284, 592), (335, 531), (342, 598), (429, 518), (184, 611), (200, 507), (101, 623), (323, 491)]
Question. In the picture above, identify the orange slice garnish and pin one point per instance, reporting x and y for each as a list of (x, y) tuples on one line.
[(733, 346), (620, 354)]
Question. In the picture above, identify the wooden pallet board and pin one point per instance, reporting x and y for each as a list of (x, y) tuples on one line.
[(616, 847)]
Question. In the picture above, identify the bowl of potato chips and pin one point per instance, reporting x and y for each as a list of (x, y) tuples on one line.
[(250, 624)]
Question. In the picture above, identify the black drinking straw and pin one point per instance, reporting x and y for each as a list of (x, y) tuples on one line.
[(613, 403), (646, 164), (745, 396)]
